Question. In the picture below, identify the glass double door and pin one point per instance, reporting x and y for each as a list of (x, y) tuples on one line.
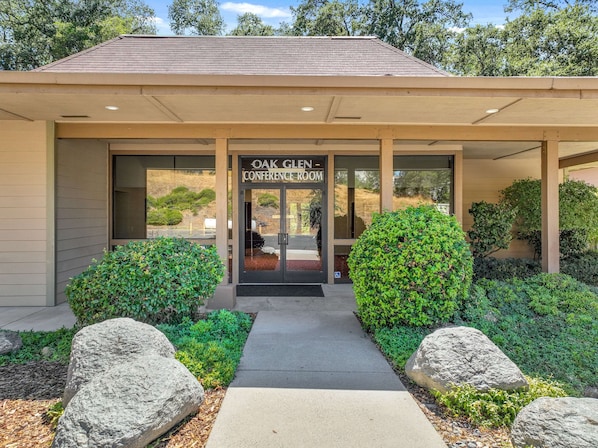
[(282, 234)]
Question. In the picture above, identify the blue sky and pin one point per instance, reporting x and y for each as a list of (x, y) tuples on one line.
[(276, 11)]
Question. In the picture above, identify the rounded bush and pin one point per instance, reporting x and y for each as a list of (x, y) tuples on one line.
[(154, 281), (412, 267)]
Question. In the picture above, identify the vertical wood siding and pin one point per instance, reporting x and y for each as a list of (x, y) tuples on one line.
[(81, 208), (23, 213)]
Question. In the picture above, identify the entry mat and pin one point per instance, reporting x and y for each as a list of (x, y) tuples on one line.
[(280, 291)]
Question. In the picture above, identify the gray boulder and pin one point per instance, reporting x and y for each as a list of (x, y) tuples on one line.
[(557, 423), (129, 405), (10, 341), (101, 346), (462, 355)]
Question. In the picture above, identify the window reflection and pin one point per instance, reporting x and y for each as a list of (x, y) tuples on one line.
[(164, 196)]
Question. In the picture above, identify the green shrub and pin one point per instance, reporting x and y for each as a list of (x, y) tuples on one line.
[(399, 343), (495, 408), (58, 345), (491, 229), (210, 348), (547, 324), (583, 267), (267, 200), (572, 242), (578, 212), (153, 281), (504, 268), (164, 217), (411, 267), (181, 198)]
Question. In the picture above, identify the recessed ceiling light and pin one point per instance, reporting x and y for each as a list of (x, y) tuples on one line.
[(492, 111), (307, 109), (112, 107)]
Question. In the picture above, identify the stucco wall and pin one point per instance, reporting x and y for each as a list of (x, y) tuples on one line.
[(483, 180), (81, 207), (24, 206)]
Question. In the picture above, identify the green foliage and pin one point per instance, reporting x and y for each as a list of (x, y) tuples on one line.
[(58, 343), (547, 324), (268, 200), (195, 17), (181, 198), (422, 29), (54, 413), (164, 217), (250, 24), (37, 32), (399, 343), (328, 18), (504, 268), (557, 38), (582, 266), (153, 281), (495, 408), (211, 348), (411, 267), (491, 229), (578, 212)]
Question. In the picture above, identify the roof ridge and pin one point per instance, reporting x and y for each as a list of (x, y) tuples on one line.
[(76, 55), (409, 56)]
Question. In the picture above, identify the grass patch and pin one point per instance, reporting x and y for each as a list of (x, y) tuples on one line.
[(211, 348), (57, 345)]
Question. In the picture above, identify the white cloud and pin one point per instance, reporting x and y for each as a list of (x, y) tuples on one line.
[(262, 11), (162, 26), (456, 29)]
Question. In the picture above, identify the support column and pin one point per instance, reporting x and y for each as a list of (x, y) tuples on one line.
[(225, 296), (386, 174), (550, 206)]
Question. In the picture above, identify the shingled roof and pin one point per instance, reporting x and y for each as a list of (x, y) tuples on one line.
[(232, 55)]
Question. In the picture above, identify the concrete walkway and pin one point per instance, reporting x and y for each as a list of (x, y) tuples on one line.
[(38, 318), (312, 378), (309, 377)]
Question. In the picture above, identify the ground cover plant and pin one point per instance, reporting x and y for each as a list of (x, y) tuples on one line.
[(155, 281), (210, 348), (411, 266), (547, 324), (42, 346)]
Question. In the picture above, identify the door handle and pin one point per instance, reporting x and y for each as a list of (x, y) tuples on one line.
[(283, 239)]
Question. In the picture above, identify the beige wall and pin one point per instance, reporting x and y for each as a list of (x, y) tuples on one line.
[(483, 180), (26, 207), (81, 207)]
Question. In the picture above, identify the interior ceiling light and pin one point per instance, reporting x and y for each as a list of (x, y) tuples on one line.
[(112, 107), (307, 109), (492, 111)]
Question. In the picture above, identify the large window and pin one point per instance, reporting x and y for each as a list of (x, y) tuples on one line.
[(423, 180), (164, 196), (356, 194)]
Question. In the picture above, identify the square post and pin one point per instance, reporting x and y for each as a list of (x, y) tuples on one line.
[(386, 174), (550, 207)]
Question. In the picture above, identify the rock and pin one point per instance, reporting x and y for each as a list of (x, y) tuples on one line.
[(591, 392), (462, 355), (10, 341), (129, 405), (47, 352), (557, 423), (100, 346)]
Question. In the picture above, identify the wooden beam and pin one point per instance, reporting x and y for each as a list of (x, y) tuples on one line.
[(550, 206), (351, 131), (386, 174), (222, 202), (588, 157)]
